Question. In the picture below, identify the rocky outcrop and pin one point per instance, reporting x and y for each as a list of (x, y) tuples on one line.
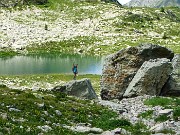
[(150, 78), (153, 3), (80, 88), (172, 87), (120, 68)]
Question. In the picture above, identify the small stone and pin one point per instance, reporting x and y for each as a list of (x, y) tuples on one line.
[(45, 128), (165, 111), (58, 113), (14, 109)]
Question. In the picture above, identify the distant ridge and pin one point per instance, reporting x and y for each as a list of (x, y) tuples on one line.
[(153, 3)]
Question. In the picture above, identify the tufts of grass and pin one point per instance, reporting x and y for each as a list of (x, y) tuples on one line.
[(147, 114), (139, 129), (106, 125), (168, 131), (176, 113), (159, 101), (162, 118), (172, 103)]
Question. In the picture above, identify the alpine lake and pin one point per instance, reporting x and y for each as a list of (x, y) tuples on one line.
[(48, 64)]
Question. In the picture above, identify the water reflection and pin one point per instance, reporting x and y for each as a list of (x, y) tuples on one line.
[(50, 64)]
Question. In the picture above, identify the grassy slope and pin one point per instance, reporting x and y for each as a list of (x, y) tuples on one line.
[(118, 29), (114, 27), (37, 109), (86, 111), (24, 112)]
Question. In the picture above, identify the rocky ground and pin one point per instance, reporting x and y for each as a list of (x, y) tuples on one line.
[(132, 108), (109, 26)]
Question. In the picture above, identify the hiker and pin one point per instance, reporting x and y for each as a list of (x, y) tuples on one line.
[(75, 71)]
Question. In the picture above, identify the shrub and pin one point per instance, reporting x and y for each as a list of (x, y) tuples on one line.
[(162, 9), (164, 36)]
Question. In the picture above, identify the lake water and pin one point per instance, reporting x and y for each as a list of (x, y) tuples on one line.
[(50, 64)]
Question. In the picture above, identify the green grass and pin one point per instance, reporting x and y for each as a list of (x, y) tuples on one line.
[(161, 101), (54, 79), (38, 108), (176, 113), (147, 114), (7, 53), (139, 129), (79, 43), (32, 115), (168, 131), (162, 118), (165, 102)]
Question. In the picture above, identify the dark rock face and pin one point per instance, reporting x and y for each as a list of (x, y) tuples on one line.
[(172, 87), (80, 88), (13, 3), (150, 78), (120, 68)]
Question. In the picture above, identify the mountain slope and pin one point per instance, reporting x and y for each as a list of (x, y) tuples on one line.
[(88, 28), (153, 3)]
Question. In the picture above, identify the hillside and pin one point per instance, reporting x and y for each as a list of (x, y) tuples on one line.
[(85, 27), (153, 3)]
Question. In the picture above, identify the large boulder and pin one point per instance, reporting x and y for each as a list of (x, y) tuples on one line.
[(150, 78), (80, 88), (172, 87), (120, 68)]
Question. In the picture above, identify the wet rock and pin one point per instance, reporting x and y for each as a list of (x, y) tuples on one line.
[(172, 87), (80, 88), (120, 68), (150, 78)]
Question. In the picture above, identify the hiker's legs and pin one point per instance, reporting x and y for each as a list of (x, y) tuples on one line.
[(74, 76)]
